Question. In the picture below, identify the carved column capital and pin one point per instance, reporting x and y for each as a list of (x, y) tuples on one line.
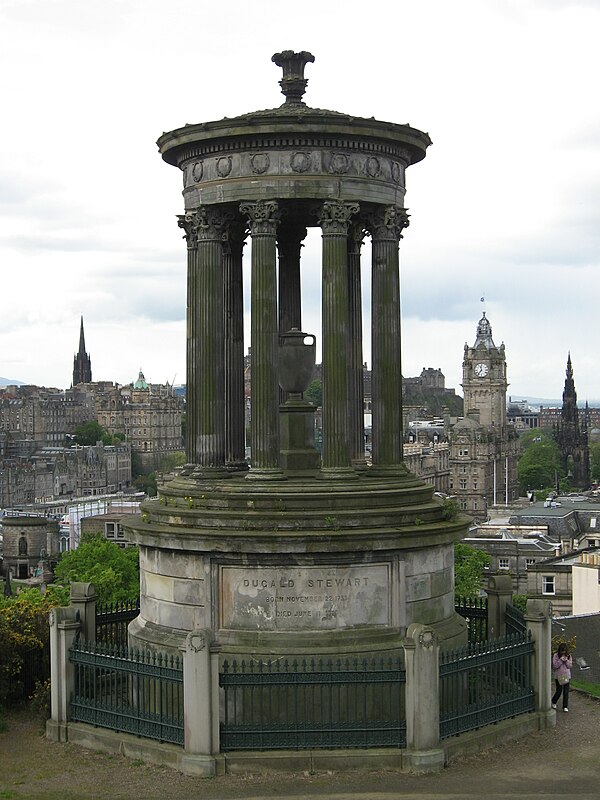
[(356, 236), (388, 222), (189, 223), (335, 215), (264, 216), (213, 223)]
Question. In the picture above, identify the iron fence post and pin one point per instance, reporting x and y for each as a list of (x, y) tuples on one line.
[(198, 758), (64, 627), (421, 651)]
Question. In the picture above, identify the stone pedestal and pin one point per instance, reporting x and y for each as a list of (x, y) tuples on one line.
[(297, 437)]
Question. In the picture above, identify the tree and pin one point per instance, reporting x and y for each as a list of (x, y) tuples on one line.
[(23, 628), (539, 463), (91, 432), (595, 461), (469, 565), (314, 393), (113, 570)]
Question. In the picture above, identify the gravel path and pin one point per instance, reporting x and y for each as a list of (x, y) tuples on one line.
[(560, 763)]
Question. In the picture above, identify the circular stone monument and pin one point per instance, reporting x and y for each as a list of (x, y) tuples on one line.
[(298, 553)]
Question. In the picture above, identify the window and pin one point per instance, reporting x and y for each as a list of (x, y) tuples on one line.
[(464, 451), (110, 530), (504, 563), (463, 505), (474, 483), (593, 522), (475, 505), (462, 484), (547, 584), (463, 469), (529, 562)]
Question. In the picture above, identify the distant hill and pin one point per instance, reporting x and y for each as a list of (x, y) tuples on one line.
[(11, 382), (551, 403)]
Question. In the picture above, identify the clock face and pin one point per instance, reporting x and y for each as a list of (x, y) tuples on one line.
[(481, 370)]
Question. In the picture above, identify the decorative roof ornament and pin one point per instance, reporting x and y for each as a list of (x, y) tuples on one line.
[(484, 333), (293, 83)]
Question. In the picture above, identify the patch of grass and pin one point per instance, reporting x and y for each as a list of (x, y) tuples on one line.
[(588, 688)]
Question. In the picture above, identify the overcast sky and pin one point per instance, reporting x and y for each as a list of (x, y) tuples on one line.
[(506, 205)]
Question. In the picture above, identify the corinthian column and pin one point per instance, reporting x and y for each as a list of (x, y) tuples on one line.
[(356, 411), (386, 226), (205, 441), (334, 219), (235, 455), (264, 218)]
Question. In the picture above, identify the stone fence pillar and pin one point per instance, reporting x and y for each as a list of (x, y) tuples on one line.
[(538, 618), (499, 592), (64, 627), (422, 693), (200, 705), (83, 600)]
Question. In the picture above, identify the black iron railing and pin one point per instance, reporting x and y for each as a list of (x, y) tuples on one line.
[(112, 620), (483, 684), (129, 691), (310, 703), (474, 611), (514, 619)]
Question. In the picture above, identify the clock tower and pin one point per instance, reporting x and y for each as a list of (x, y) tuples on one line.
[(484, 378), (483, 448)]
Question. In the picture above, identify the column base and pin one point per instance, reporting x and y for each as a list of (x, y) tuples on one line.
[(57, 731), (237, 466), (337, 474), (209, 473), (423, 760), (198, 765), (389, 470), (265, 474), (360, 464)]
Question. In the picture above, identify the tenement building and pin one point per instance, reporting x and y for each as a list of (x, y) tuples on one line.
[(483, 447), (149, 418)]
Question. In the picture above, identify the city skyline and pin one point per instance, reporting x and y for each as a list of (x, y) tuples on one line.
[(505, 205)]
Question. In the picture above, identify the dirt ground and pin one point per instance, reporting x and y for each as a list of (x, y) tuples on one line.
[(560, 763)]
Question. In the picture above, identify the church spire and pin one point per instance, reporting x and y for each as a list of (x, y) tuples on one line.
[(82, 363)]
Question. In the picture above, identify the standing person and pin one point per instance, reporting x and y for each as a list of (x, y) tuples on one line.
[(562, 662)]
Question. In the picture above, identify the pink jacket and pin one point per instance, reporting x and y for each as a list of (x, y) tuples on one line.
[(561, 667)]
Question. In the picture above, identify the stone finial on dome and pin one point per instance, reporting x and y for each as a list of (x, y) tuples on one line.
[(293, 83)]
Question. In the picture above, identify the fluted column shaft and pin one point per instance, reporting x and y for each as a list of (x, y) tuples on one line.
[(334, 220), (205, 442), (386, 226), (264, 217), (355, 364), (289, 245), (235, 440)]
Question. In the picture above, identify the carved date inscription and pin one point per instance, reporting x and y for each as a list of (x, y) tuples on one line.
[(304, 598)]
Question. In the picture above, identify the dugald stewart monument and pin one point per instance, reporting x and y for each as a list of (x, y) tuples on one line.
[(299, 552)]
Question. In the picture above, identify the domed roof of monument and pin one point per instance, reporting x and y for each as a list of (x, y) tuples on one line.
[(293, 114)]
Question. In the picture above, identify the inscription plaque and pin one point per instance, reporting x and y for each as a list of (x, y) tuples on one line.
[(304, 598)]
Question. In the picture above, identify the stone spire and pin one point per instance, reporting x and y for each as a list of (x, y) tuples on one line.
[(571, 437), (82, 364), (484, 333)]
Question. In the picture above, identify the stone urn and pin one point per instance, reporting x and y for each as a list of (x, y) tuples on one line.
[(297, 352)]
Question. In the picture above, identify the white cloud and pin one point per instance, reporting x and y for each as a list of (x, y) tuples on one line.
[(506, 203)]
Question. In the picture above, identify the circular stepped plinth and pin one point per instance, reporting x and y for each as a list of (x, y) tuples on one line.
[(304, 565)]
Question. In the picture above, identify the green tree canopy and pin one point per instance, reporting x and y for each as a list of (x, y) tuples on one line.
[(595, 461), (91, 432), (314, 393), (113, 570), (469, 564), (539, 463)]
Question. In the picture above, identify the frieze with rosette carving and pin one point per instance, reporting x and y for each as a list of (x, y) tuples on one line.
[(272, 163)]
